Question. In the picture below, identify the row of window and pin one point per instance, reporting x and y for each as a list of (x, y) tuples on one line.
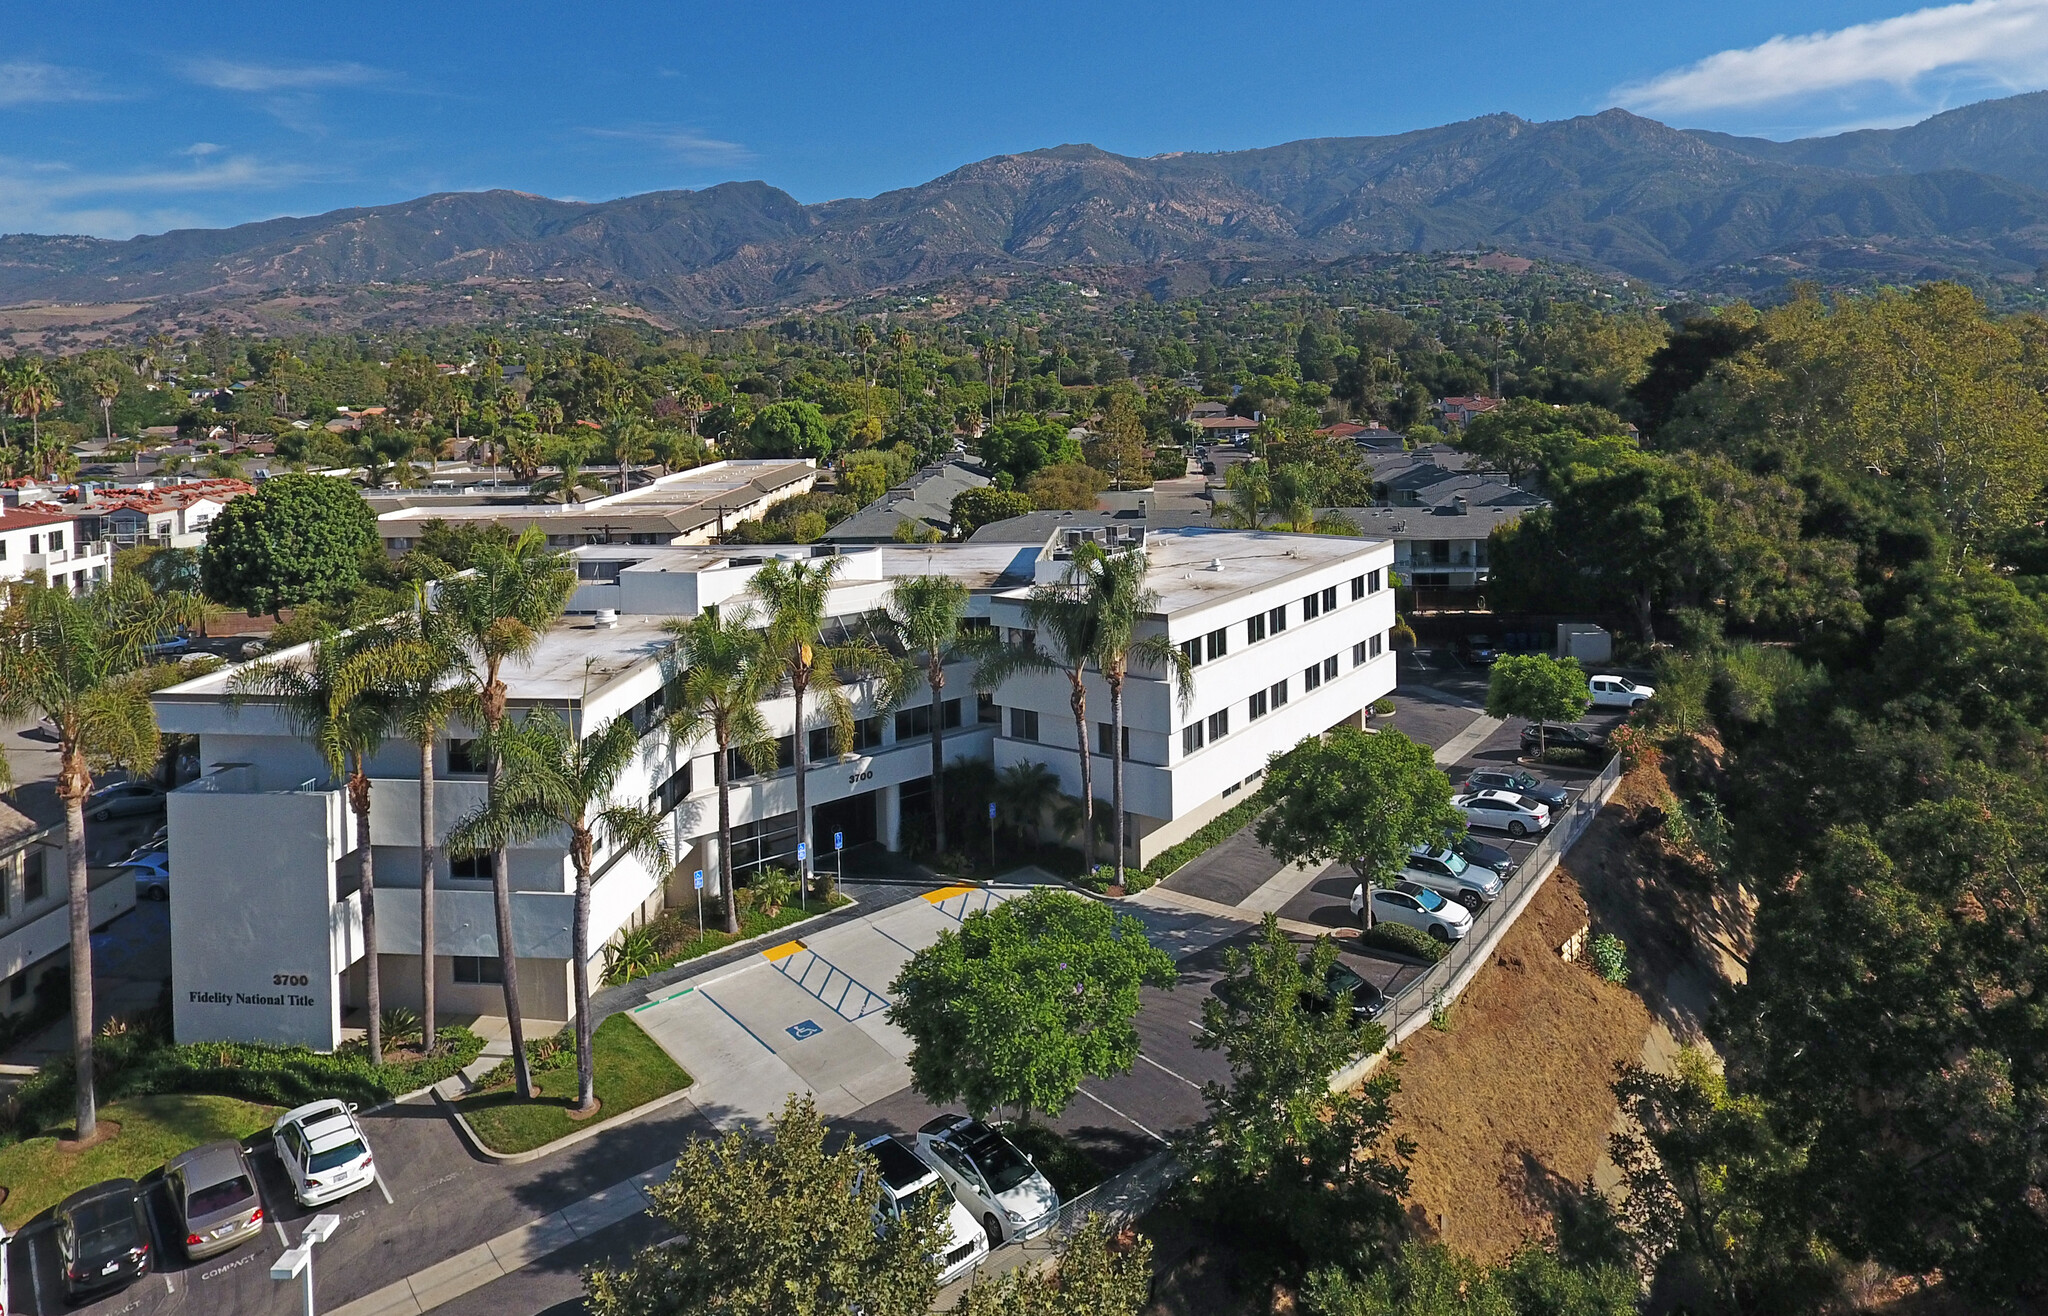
[(35, 544), (1216, 726), (1273, 621)]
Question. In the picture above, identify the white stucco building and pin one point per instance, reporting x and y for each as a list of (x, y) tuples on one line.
[(1290, 632)]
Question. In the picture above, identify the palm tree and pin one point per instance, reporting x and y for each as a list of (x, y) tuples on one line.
[(923, 616), (549, 413), (631, 444), (1024, 791), (1251, 493), (68, 658), (1120, 603), (335, 700), (794, 593), (106, 386), (556, 781), (31, 394), (431, 681), (523, 455), (568, 456), (500, 609), (725, 671), (1064, 640)]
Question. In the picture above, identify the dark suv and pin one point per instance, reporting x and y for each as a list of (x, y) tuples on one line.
[(1557, 736)]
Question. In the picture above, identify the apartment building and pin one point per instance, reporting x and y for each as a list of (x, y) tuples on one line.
[(35, 914), (41, 538), (1290, 630)]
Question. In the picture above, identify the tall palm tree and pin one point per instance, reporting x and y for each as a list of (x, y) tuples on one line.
[(1064, 640), (431, 680), (556, 781), (32, 393), (923, 616), (106, 386), (631, 444), (1251, 496), (69, 658), (794, 593), (500, 609), (725, 669), (1120, 603), (334, 698), (568, 456)]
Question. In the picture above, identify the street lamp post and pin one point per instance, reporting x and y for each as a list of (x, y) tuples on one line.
[(298, 1261)]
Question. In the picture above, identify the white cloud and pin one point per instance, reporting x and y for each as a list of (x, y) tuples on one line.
[(239, 75), (686, 144), (2001, 42), (32, 82), (44, 197)]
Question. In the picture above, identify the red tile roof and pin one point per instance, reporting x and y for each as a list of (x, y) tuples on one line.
[(14, 518)]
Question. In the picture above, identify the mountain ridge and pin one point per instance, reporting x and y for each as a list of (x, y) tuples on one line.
[(1965, 192)]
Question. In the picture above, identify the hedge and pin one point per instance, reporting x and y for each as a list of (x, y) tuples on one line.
[(1212, 834), (1404, 940)]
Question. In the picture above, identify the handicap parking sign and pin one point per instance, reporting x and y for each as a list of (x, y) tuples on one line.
[(700, 879), (799, 851), (839, 840), (800, 1031)]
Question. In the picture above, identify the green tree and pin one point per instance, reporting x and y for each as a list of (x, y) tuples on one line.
[(1251, 495), (923, 616), (1294, 1169), (1092, 1276), (1428, 1279), (1066, 486), (1119, 449), (777, 1225), (864, 482), (1025, 1001), (500, 611), (73, 659), (297, 539), (559, 782), (570, 479), (334, 696), (790, 429), (1123, 606), (724, 670), (795, 594), (1360, 799), (1539, 688), (975, 508)]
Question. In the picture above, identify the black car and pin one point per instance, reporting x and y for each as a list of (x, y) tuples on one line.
[(1558, 736), (1475, 851), (1367, 1002), (1521, 783), (103, 1238)]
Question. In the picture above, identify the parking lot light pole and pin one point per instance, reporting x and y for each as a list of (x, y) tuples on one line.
[(298, 1261)]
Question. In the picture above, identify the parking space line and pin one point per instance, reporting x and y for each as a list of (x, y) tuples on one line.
[(736, 1019), (663, 1000), (1164, 1070), (35, 1276), (1120, 1115), (899, 941), (383, 1187)]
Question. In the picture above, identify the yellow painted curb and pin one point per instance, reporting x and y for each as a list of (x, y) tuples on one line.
[(784, 951), (943, 894)]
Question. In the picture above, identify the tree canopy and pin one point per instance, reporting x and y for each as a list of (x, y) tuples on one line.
[(297, 539), (1360, 799)]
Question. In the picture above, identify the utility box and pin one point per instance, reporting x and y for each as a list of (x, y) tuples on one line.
[(1584, 641)]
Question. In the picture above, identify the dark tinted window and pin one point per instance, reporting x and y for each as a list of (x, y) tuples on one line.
[(335, 1156), (1001, 1164), (219, 1197)]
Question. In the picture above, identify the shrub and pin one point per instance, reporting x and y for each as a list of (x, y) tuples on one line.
[(1404, 940), (1213, 833), (772, 888), (1610, 957), (1382, 707), (634, 955)]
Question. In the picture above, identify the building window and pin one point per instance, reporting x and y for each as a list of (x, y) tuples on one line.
[(671, 792), (867, 735), (912, 722), (1372, 582), (986, 710), (1255, 629), (1330, 668), (479, 969), (466, 758), (1256, 707), (17, 986), (35, 544), (1312, 678), (1311, 607), (1105, 735), (472, 867), (1278, 694), (1357, 587), (34, 883), (1192, 649), (1219, 724), (1276, 620), (1358, 654), (1374, 646), (1191, 737), (737, 768), (1024, 724), (1218, 643), (56, 541), (1330, 599)]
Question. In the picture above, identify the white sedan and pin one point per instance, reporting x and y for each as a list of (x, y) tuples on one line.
[(1618, 692), (987, 1173), (1503, 811), (324, 1152), (1417, 907)]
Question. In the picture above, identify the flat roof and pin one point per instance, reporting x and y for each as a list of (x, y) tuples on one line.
[(1184, 574), (691, 497)]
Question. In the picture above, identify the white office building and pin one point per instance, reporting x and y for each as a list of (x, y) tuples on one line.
[(1290, 633)]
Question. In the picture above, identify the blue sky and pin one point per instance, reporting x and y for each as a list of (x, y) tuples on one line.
[(123, 117)]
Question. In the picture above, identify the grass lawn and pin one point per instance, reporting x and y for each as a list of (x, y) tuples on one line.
[(631, 1071), (37, 1175)]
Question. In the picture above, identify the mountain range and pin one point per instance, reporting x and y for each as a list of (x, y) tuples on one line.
[(1963, 193)]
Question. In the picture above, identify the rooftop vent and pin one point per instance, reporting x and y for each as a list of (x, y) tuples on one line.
[(1215, 564), (605, 619)]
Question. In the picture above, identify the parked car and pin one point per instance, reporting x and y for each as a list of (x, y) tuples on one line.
[(1521, 783), (124, 799), (1475, 851), (1366, 1001), (1445, 872), (990, 1175), (213, 1190), (152, 873), (324, 1152), (102, 1238), (1559, 735), (1416, 907), (1503, 811), (907, 1181), (1618, 692), (1208, 468), (168, 644), (1479, 650)]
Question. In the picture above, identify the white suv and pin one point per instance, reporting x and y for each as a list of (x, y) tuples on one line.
[(989, 1175), (906, 1181), (1618, 692), (324, 1151)]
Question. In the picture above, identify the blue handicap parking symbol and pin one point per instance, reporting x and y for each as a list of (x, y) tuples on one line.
[(805, 1029), (700, 879), (839, 840)]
